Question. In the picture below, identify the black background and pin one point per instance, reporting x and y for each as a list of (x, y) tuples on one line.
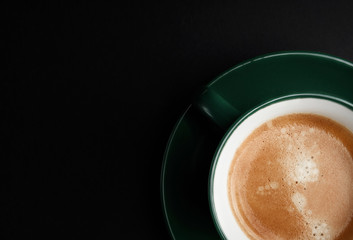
[(92, 90)]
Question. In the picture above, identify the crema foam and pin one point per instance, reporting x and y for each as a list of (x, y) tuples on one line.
[(292, 178)]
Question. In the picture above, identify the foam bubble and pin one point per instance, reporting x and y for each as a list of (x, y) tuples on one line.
[(274, 185), (320, 230), (266, 190), (300, 151), (299, 201), (306, 170), (290, 209)]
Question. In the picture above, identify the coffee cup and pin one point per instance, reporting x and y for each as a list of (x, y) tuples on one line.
[(284, 169)]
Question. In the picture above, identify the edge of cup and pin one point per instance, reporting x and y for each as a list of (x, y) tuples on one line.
[(235, 125)]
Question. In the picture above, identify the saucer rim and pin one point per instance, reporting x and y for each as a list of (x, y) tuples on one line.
[(210, 84)]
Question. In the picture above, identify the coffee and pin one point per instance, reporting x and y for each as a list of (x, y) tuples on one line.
[(292, 178)]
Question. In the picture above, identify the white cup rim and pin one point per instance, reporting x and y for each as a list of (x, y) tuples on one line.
[(237, 123)]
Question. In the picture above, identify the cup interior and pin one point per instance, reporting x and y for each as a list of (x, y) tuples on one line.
[(328, 106)]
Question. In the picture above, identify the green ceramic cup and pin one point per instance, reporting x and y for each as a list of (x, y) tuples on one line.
[(238, 125), (225, 100), (331, 107)]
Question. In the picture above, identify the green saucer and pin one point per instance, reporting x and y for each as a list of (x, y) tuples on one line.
[(189, 153)]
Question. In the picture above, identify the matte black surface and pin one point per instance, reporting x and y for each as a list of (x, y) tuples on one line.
[(90, 94)]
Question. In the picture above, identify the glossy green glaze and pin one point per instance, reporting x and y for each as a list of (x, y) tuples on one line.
[(194, 140), (215, 107)]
